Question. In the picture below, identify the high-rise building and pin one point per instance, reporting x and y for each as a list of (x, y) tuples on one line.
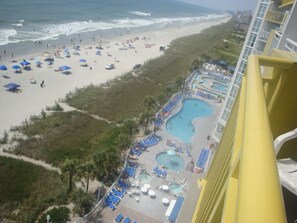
[(253, 175), (273, 26)]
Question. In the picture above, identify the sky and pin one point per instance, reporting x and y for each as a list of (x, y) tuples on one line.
[(226, 4)]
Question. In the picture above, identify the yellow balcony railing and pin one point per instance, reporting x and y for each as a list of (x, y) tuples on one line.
[(242, 184), (275, 17), (286, 3)]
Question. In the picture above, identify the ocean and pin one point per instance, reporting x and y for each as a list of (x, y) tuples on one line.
[(56, 22)]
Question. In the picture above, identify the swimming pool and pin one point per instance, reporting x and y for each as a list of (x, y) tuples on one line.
[(180, 125), (172, 162), (144, 176), (219, 87), (175, 188)]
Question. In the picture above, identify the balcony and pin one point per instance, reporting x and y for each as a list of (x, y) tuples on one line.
[(263, 36), (290, 45), (285, 3), (276, 17), (243, 182)]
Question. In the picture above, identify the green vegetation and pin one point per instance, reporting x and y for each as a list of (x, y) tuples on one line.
[(85, 147), (57, 215), (27, 190), (156, 77)]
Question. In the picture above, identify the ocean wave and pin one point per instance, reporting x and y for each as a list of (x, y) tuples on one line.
[(17, 24), (5, 34), (21, 20), (54, 31), (140, 13)]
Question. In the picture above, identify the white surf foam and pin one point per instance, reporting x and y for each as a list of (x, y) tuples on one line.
[(139, 13), (5, 34)]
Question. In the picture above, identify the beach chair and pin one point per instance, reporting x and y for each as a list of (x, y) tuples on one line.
[(117, 193), (127, 220), (134, 221), (155, 170), (118, 218), (159, 173), (164, 173)]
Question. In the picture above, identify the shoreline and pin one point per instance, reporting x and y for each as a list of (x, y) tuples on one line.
[(16, 107)]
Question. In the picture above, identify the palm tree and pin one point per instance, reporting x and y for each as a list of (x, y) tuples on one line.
[(83, 201), (88, 170), (146, 117), (149, 103), (179, 82), (70, 168)]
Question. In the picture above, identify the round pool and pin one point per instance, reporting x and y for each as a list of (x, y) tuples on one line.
[(175, 188), (172, 162), (144, 176)]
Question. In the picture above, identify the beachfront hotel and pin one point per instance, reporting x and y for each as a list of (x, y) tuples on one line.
[(253, 173)]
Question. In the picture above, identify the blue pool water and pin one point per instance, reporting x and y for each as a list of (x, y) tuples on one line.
[(220, 87), (180, 125), (175, 188), (144, 177), (172, 162)]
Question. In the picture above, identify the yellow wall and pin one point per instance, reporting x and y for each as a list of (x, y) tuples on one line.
[(242, 184)]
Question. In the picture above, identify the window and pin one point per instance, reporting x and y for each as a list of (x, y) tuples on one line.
[(233, 91), (229, 104), (237, 81), (257, 25), (252, 40), (247, 52), (225, 115), (242, 67), (261, 10)]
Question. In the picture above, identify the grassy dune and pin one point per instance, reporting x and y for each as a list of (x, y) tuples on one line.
[(27, 189)]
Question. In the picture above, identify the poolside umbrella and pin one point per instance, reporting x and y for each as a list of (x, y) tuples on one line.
[(63, 68), (82, 60), (16, 67), (12, 86), (171, 152), (3, 67), (25, 63)]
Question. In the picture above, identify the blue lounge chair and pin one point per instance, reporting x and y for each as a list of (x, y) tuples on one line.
[(159, 173), (119, 218), (134, 221), (164, 173), (117, 193), (127, 220), (111, 206), (155, 170)]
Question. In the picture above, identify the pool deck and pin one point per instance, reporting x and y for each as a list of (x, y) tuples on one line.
[(145, 208)]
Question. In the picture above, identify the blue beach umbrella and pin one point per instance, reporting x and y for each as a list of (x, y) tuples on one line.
[(16, 67), (3, 67), (25, 63), (63, 68), (83, 60), (12, 86)]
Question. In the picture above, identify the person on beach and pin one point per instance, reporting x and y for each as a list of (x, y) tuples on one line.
[(42, 84)]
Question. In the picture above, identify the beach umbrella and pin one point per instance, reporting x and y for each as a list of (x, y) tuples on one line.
[(25, 63), (12, 86), (16, 67), (3, 67), (63, 68), (37, 62), (83, 60)]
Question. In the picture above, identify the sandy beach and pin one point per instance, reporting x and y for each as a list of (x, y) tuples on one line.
[(16, 107)]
